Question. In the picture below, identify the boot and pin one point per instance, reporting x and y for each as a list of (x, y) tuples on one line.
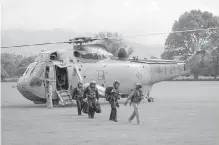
[(79, 111), (92, 113), (89, 113)]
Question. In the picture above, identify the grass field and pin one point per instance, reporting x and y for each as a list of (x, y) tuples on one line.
[(183, 113)]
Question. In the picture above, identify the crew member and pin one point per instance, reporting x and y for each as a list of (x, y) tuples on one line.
[(78, 95), (113, 100), (136, 96), (92, 95), (48, 88)]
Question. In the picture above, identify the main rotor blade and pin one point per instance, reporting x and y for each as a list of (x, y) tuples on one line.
[(183, 31), (35, 44)]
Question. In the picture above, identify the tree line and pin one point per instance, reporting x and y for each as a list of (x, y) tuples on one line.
[(13, 65), (181, 45)]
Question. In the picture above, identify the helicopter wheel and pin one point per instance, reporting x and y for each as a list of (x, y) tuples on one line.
[(150, 99), (55, 102)]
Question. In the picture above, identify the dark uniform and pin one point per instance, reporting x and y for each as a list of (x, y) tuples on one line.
[(136, 96), (113, 100), (91, 93), (78, 93)]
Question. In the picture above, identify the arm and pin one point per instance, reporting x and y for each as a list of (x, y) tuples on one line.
[(129, 97), (74, 93)]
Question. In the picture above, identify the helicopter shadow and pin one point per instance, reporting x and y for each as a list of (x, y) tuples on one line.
[(35, 106)]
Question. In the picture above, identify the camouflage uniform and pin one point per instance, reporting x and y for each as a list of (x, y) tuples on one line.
[(78, 95), (136, 96), (91, 93), (114, 101)]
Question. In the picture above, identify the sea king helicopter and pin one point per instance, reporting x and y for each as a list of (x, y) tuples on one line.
[(87, 61)]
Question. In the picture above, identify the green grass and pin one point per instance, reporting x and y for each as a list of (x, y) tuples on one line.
[(183, 113)]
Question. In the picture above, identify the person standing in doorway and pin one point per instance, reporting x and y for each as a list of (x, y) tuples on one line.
[(48, 88)]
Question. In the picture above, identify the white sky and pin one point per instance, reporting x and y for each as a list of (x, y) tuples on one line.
[(129, 17)]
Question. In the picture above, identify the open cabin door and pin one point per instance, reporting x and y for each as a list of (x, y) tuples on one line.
[(62, 84), (61, 77)]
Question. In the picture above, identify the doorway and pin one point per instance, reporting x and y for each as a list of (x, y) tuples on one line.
[(62, 78)]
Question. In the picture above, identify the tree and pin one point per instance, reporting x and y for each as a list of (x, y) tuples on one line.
[(114, 42), (179, 44), (4, 74), (13, 65), (215, 67)]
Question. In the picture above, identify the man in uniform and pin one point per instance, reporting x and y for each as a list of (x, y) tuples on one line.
[(91, 93), (113, 100), (136, 96), (48, 88), (78, 95)]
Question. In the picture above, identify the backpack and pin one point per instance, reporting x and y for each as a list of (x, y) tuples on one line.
[(108, 93)]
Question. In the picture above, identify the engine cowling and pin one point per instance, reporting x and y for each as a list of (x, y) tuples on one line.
[(77, 54), (123, 53)]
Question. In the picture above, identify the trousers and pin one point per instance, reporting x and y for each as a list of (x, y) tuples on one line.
[(48, 89), (91, 107), (135, 113), (49, 100), (113, 114), (79, 106)]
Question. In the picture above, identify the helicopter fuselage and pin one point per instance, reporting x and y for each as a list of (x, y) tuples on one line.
[(31, 84), (65, 72)]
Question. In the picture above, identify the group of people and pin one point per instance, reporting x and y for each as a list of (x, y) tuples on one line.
[(90, 97)]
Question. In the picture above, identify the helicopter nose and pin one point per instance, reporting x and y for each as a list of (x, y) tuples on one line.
[(21, 84)]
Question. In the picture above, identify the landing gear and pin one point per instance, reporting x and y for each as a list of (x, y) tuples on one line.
[(55, 102), (150, 99)]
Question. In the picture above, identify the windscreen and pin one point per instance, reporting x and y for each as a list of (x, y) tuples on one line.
[(34, 69), (29, 69)]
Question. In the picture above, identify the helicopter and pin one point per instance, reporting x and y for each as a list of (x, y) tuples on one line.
[(86, 62)]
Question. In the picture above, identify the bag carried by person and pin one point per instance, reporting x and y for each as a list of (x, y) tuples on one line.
[(85, 107), (98, 108)]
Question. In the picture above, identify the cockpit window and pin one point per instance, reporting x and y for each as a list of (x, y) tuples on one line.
[(36, 69), (30, 68)]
